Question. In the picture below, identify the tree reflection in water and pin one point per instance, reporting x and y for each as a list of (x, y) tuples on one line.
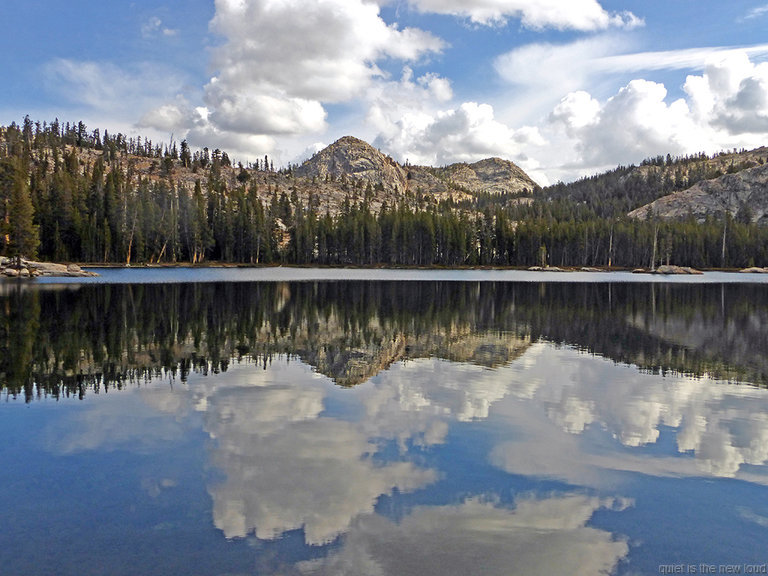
[(66, 340)]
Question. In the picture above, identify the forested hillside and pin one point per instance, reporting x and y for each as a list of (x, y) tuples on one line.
[(68, 193), (626, 188)]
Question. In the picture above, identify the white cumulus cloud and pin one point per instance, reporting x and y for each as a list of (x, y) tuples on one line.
[(467, 133), (328, 54), (731, 95), (725, 106), (281, 62)]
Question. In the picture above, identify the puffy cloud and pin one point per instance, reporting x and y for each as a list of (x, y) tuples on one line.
[(539, 536), (467, 133), (276, 70), (575, 111), (633, 124), (560, 14), (195, 125), (317, 475), (407, 102), (287, 466), (406, 404), (724, 107), (328, 54), (731, 95), (262, 113), (168, 117)]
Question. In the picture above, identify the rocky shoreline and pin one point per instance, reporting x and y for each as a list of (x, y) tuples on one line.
[(754, 270), (31, 269), (666, 269)]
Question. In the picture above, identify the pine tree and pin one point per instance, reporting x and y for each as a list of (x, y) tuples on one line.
[(22, 233)]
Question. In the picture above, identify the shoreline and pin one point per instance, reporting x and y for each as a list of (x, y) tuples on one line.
[(33, 269), (596, 269)]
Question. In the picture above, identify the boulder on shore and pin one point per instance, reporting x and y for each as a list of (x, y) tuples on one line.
[(754, 270), (671, 269), (545, 269), (46, 268), (31, 269)]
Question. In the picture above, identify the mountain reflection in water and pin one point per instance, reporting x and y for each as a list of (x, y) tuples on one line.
[(66, 340)]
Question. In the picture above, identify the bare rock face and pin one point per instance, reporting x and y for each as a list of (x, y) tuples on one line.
[(352, 158), (47, 268), (492, 176), (743, 195)]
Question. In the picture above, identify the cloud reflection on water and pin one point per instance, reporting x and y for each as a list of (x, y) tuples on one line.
[(719, 428), (539, 536), (285, 465), (291, 458)]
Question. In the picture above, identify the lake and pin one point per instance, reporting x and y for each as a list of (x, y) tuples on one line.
[(390, 422)]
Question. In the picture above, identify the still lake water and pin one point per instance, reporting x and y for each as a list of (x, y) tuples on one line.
[(233, 422)]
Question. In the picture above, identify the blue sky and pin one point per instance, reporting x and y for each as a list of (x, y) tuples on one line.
[(562, 87)]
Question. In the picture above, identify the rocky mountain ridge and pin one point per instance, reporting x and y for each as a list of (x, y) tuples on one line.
[(350, 160), (349, 168), (742, 194)]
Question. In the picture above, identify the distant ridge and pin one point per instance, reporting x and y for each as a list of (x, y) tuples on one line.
[(743, 195), (352, 158)]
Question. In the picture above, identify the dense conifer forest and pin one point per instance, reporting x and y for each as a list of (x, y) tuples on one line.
[(71, 194)]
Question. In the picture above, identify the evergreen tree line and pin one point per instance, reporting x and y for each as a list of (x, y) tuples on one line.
[(55, 206)]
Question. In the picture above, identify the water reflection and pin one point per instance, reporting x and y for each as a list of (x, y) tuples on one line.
[(384, 428), (65, 341), (288, 464), (718, 429), (288, 467), (537, 536)]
